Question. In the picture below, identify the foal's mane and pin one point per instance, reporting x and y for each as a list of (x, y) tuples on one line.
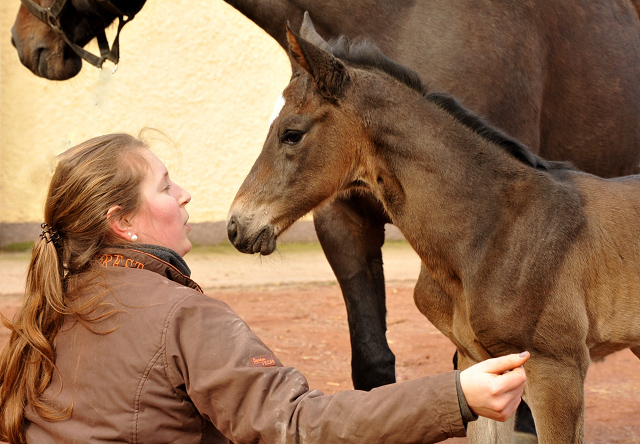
[(365, 54)]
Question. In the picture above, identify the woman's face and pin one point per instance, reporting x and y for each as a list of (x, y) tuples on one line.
[(162, 218)]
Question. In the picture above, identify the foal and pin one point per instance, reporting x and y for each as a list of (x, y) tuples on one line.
[(518, 253)]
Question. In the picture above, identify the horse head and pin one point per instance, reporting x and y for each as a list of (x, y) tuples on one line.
[(308, 156), (51, 45)]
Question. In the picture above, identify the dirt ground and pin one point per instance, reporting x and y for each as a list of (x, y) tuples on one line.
[(294, 304)]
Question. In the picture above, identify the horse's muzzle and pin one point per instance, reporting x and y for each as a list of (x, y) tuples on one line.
[(261, 241)]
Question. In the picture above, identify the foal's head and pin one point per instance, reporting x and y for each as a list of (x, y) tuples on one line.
[(313, 151), (349, 114)]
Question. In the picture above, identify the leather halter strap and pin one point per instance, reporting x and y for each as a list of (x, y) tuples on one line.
[(51, 17)]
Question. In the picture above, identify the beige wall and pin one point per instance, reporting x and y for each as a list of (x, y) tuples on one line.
[(198, 69)]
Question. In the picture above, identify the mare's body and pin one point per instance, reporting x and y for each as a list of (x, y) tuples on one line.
[(559, 76), (518, 253)]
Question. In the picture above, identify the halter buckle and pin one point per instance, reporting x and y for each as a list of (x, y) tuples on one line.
[(52, 20)]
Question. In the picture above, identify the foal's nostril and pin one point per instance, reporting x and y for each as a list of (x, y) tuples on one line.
[(232, 229), (13, 42)]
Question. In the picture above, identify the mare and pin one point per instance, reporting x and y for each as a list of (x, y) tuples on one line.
[(49, 35), (559, 76), (518, 253)]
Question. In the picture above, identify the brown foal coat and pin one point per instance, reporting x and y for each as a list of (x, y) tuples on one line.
[(518, 253)]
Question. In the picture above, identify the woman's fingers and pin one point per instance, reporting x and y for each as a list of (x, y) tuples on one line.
[(493, 388), (511, 380), (504, 363)]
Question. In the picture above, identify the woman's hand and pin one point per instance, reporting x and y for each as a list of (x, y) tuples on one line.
[(493, 388)]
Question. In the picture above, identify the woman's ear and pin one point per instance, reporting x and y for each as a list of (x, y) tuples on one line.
[(119, 225)]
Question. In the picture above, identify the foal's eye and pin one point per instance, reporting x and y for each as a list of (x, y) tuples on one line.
[(291, 137)]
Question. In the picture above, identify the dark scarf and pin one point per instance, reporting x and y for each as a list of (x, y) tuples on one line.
[(167, 255)]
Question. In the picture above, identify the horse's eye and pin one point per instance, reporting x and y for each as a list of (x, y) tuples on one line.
[(291, 137)]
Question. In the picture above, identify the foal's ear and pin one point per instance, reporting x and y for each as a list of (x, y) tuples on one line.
[(328, 73)]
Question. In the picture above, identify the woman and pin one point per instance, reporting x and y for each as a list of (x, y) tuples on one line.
[(115, 342)]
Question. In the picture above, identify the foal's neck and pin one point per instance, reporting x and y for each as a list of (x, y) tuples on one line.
[(444, 186)]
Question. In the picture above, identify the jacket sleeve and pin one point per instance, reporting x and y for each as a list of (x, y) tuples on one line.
[(238, 384)]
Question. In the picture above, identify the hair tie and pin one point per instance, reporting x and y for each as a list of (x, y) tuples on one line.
[(48, 233)]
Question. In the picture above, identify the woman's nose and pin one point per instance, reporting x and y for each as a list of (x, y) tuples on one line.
[(185, 196)]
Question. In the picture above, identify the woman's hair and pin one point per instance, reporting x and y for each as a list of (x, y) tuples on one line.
[(89, 179)]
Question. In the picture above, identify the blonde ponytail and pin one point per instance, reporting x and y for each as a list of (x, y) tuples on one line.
[(90, 178)]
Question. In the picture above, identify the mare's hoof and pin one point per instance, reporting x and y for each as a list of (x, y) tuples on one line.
[(524, 438)]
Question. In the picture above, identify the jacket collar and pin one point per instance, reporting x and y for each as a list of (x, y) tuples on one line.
[(149, 257)]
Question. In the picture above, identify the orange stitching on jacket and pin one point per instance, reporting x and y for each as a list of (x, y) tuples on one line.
[(106, 260)]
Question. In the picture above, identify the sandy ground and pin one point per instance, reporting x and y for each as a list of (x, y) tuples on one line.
[(291, 300)]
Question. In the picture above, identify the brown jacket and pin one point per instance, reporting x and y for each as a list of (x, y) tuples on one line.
[(176, 366)]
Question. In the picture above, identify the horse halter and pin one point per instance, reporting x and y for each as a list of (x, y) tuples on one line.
[(51, 17)]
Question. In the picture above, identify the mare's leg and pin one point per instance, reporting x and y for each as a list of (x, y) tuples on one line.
[(555, 393), (351, 232)]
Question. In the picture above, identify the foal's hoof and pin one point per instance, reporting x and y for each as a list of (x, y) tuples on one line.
[(524, 438)]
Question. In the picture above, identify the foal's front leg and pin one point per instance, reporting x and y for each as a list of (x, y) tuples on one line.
[(351, 232), (555, 393), (487, 431)]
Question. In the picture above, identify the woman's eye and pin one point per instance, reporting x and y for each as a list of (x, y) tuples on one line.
[(291, 137)]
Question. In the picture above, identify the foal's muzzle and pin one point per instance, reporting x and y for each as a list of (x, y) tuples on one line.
[(261, 240)]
